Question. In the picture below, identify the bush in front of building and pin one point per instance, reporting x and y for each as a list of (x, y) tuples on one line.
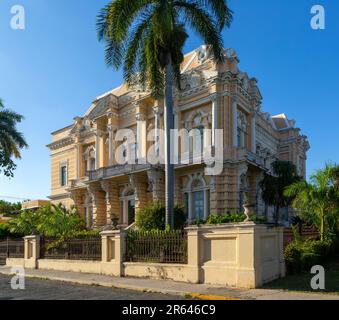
[(229, 218), (51, 221), (301, 256), (153, 217)]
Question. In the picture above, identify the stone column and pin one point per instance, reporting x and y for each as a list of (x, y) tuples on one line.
[(32, 251), (215, 117), (110, 145), (97, 150), (78, 170), (157, 181), (139, 184), (235, 122), (141, 138), (98, 204), (253, 134), (112, 201)]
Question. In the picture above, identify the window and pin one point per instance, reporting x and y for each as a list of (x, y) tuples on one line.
[(92, 162), (198, 205), (63, 175), (201, 130), (239, 138), (197, 199)]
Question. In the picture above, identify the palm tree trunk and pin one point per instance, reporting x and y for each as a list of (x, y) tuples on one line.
[(322, 225), (169, 125)]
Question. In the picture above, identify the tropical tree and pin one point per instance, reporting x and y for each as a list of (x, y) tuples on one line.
[(51, 221), (147, 37), (11, 140), (284, 173), (317, 201), (9, 209)]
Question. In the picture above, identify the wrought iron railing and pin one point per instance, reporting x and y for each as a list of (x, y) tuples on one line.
[(118, 170), (11, 248), (157, 247), (71, 249)]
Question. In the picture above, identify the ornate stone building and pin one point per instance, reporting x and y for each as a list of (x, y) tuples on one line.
[(85, 172)]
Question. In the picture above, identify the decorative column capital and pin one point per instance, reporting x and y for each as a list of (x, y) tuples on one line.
[(105, 185), (214, 97), (140, 117), (157, 110)]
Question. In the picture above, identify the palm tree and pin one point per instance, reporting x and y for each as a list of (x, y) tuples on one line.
[(284, 173), (147, 37), (11, 141), (316, 201)]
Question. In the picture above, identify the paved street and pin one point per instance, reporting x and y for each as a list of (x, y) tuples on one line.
[(37, 289)]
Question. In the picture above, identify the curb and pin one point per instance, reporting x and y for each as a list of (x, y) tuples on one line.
[(199, 296), (192, 295)]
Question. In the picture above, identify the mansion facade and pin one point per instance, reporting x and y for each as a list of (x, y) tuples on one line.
[(86, 173)]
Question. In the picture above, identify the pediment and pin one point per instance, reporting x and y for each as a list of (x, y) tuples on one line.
[(100, 107)]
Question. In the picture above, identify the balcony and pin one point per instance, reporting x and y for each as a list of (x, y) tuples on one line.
[(246, 155), (120, 170), (79, 183)]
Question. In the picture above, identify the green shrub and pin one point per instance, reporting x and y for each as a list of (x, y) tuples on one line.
[(293, 258), (302, 256), (50, 221), (222, 219), (257, 219), (153, 217), (6, 233)]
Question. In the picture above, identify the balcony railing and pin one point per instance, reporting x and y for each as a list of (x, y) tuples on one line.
[(119, 170)]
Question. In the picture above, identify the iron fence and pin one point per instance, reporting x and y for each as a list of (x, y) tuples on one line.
[(11, 248), (157, 247), (88, 249)]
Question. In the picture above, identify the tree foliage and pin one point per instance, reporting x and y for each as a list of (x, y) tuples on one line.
[(9, 209), (11, 140), (317, 201), (273, 185), (153, 217), (51, 221), (141, 34)]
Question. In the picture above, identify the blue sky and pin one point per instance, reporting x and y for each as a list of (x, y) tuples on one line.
[(51, 71)]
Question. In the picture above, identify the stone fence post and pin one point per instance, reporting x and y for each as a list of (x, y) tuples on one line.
[(194, 256), (113, 252), (32, 251)]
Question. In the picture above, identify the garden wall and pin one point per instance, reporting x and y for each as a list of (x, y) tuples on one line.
[(243, 255)]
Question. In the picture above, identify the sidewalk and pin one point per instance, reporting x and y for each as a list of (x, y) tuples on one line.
[(199, 291)]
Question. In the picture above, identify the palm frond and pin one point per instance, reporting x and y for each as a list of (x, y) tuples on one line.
[(202, 22)]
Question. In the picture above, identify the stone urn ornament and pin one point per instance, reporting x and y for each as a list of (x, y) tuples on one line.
[(249, 208), (249, 211)]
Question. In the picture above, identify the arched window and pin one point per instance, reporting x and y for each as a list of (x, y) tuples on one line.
[(242, 130), (197, 198), (127, 205), (89, 159)]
